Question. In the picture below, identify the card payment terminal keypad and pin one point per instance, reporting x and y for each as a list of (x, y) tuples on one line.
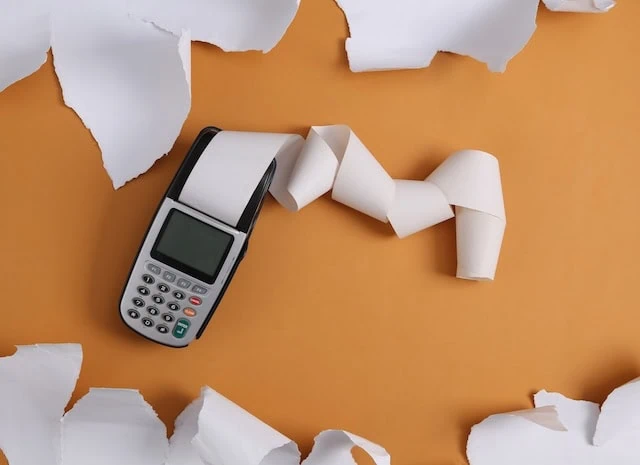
[(159, 305)]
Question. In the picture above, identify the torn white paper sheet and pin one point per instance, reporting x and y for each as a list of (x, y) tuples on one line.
[(113, 426), (181, 452), (561, 431), (24, 39), (334, 447), (620, 414), (408, 33), (237, 25), (127, 80), (580, 6), (222, 433), (228, 434), (117, 426), (332, 158), (36, 384)]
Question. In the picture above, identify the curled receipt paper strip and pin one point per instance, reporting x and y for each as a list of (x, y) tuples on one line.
[(117, 426), (562, 431), (332, 158)]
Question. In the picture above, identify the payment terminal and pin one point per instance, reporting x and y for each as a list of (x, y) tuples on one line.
[(186, 261)]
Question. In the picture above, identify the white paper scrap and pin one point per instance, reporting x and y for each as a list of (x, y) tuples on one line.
[(24, 39), (580, 6), (237, 25), (620, 414), (229, 435), (225, 434), (117, 426), (560, 431), (127, 80), (408, 33), (113, 426), (36, 384), (333, 447), (470, 180), (181, 452)]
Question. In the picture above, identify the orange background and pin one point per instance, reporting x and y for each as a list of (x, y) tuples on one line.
[(331, 321)]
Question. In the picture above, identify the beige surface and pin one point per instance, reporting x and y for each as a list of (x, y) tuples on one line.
[(331, 321)]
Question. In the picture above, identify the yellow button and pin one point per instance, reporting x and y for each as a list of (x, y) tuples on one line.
[(189, 311)]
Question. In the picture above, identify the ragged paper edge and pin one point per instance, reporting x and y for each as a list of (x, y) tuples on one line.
[(52, 371), (618, 420), (288, 10), (384, 50), (333, 447), (227, 433), (26, 40), (201, 19), (161, 143), (108, 426), (620, 413), (373, 45), (127, 149), (141, 162), (580, 6)]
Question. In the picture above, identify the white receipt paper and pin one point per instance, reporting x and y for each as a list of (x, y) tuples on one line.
[(332, 158), (117, 426), (562, 431)]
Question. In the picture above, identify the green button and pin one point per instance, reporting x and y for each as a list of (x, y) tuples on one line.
[(181, 328)]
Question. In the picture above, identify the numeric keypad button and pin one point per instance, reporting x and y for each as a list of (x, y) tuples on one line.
[(162, 329), (163, 287), (148, 279), (138, 302), (158, 299), (133, 314), (153, 311), (143, 290), (173, 306)]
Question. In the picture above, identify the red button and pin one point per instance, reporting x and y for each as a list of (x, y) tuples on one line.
[(195, 300), (189, 312)]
